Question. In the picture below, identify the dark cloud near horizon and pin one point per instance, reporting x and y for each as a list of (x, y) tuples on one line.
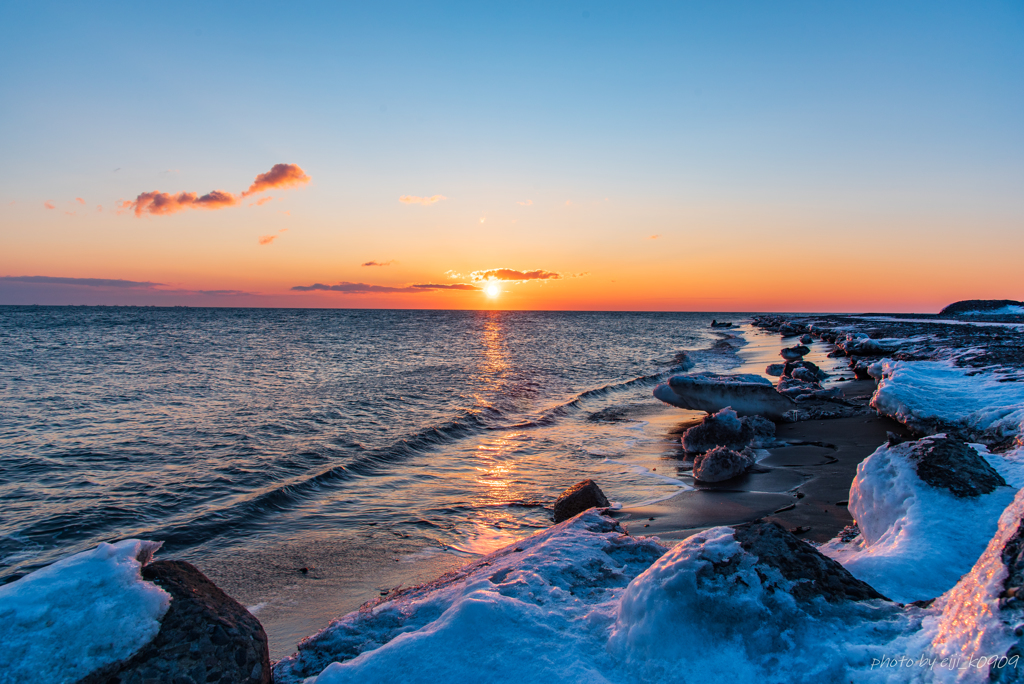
[(89, 282), (379, 263), (365, 288)]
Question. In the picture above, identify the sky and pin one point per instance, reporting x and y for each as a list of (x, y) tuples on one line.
[(692, 156)]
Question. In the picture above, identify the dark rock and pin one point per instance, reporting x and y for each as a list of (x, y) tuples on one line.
[(794, 353), (578, 498), (806, 339), (814, 575), (805, 374), (775, 369), (968, 305), (205, 636), (948, 463), (720, 464)]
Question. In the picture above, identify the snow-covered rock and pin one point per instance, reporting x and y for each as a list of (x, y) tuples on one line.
[(748, 395), (720, 464), (79, 614), (538, 610), (925, 509), (727, 429)]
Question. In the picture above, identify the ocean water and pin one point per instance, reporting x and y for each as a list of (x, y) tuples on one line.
[(307, 460)]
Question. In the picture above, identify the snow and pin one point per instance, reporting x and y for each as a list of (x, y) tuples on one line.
[(583, 602), (915, 540), (1008, 310), (91, 609), (538, 610), (933, 396)]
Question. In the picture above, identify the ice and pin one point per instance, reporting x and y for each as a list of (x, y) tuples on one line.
[(935, 396), (915, 540), (969, 624), (91, 609), (747, 394)]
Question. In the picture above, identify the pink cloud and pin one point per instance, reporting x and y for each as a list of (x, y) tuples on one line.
[(156, 203), (80, 200), (379, 263), (267, 239), (513, 274), (425, 201), (49, 204), (261, 201), (162, 203), (279, 176)]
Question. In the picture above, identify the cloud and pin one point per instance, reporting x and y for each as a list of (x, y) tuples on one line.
[(654, 237), (279, 176), (525, 203), (513, 274), (451, 286), (425, 201), (379, 263), (161, 203), (364, 288), (156, 203), (267, 239), (49, 204), (80, 201), (89, 282), (225, 293), (261, 201)]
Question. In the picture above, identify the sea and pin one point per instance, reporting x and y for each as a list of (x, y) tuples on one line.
[(310, 460)]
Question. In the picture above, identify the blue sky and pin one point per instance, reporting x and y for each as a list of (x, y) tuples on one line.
[(884, 119)]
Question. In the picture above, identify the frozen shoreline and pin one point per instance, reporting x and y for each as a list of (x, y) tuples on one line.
[(602, 605)]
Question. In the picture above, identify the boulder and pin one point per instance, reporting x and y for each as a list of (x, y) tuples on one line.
[(205, 636), (812, 573), (949, 463), (806, 339), (775, 369), (720, 464), (578, 498), (794, 353)]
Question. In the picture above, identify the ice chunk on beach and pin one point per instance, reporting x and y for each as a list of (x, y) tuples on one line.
[(68, 619), (917, 539), (747, 394), (936, 396)]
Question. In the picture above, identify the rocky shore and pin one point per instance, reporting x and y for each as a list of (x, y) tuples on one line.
[(860, 525)]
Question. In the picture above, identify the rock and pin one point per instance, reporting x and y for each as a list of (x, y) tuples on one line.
[(794, 353), (949, 463), (748, 395), (806, 339), (805, 374), (205, 636), (720, 464), (775, 369), (813, 574), (578, 498)]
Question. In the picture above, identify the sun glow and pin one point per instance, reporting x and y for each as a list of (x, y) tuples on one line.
[(492, 290)]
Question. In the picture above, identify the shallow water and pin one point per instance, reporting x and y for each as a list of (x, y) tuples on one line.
[(371, 448)]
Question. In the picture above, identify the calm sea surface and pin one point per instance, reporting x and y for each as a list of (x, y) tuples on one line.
[(369, 447)]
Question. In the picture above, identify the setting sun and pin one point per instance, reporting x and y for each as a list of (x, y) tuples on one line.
[(492, 290)]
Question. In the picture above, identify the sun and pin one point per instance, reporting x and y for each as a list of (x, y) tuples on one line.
[(492, 290)]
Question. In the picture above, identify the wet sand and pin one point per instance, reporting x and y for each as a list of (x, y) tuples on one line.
[(803, 484)]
